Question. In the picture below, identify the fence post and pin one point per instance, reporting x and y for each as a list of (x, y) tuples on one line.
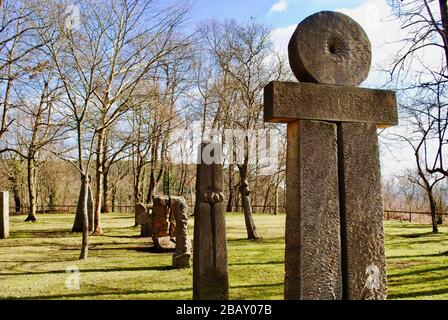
[(410, 216)]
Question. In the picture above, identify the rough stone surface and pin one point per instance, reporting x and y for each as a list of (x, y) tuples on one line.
[(361, 210), (164, 244), (312, 255), (146, 230), (181, 258), (330, 47), (290, 101), (142, 215), (210, 274), (4, 214), (161, 217)]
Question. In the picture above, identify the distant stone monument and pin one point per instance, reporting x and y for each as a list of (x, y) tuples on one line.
[(163, 224), (144, 219), (334, 224), (4, 214), (181, 257), (210, 275)]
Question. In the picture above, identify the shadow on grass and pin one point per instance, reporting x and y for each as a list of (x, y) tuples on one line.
[(255, 263), (416, 235), (433, 280), (416, 294), (96, 294), (154, 268), (123, 237), (264, 285), (440, 254), (416, 272)]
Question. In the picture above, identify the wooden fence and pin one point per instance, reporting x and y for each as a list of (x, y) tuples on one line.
[(402, 215)]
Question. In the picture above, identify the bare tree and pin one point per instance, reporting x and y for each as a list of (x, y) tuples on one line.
[(241, 52), (17, 44)]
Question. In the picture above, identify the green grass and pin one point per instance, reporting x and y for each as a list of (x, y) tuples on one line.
[(33, 261)]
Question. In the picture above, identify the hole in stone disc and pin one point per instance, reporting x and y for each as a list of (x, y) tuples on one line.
[(332, 49)]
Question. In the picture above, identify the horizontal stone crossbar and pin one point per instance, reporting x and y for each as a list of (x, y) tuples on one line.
[(291, 101)]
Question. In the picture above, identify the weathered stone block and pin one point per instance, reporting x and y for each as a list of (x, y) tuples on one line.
[(4, 214), (290, 101), (312, 255), (210, 275), (361, 210), (160, 217), (164, 244), (146, 230), (181, 258), (142, 216)]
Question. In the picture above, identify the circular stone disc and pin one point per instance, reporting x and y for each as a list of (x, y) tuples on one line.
[(331, 48)]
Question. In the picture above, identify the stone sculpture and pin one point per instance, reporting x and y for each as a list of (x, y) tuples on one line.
[(210, 275), (334, 228)]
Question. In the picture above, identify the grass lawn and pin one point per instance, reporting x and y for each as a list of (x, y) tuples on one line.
[(33, 261)]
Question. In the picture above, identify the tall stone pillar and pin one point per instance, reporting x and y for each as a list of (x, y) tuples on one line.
[(4, 214), (210, 275), (313, 250), (361, 211)]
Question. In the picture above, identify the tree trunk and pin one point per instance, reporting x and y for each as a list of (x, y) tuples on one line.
[(106, 193), (433, 207), (247, 208), (231, 190), (99, 183), (276, 199), (52, 200), (79, 217), (439, 219), (266, 197), (114, 196), (16, 195), (32, 193), (85, 218)]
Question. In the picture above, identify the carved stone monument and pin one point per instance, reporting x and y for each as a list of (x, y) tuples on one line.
[(334, 227), (210, 275), (181, 257), (144, 219), (4, 214), (163, 224)]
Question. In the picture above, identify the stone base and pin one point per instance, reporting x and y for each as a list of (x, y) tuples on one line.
[(164, 244), (182, 261), (146, 230)]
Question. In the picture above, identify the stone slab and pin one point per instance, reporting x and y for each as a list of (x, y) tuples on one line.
[(312, 255), (146, 230), (161, 217), (291, 101), (361, 210), (4, 214), (142, 215)]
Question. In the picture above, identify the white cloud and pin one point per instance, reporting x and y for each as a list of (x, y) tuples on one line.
[(279, 6), (385, 34)]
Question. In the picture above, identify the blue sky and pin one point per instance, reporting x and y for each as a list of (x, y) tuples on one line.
[(295, 10), (373, 15)]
